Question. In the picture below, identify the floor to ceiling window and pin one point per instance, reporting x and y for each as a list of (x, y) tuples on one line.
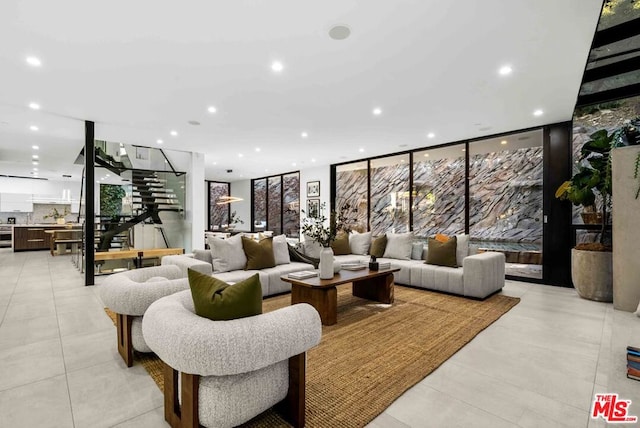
[(276, 204), (503, 211), (505, 199), (218, 206), (352, 190), (389, 207), (438, 191)]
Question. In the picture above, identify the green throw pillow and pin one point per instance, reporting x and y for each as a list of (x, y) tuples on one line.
[(378, 246), (340, 245), (442, 253), (219, 301), (259, 254)]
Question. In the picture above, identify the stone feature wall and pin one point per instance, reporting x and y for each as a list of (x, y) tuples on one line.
[(351, 188), (219, 214), (438, 201), (505, 190), (291, 225), (390, 199), (274, 222), (506, 196)]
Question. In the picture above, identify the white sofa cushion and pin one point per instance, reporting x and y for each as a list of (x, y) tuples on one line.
[(462, 248), (398, 246), (281, 250), (439, 278), (276, 285), (311, 247), (228, 254), (360, 242)]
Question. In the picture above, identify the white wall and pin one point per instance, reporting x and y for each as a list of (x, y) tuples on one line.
[(242, 189), (322, 174), (194, 239)]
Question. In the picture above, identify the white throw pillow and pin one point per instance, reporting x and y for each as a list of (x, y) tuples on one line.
[(311, 247), (399, 246), (462, 248), (281, 250), (417, 248), (228, 254), (360, 242)]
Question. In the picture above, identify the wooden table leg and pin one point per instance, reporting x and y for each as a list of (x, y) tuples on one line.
[(325, 300), (379, 289), (125, 347)]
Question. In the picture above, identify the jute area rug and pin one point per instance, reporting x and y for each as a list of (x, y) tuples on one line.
[(376, 352)]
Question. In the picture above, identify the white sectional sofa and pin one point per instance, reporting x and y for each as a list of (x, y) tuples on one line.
[(478, 275), (204, 262)]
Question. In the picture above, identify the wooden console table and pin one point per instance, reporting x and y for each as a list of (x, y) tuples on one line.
[(137, 254)]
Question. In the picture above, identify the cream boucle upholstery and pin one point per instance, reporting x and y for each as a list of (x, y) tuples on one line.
[(193, 344), (130, 293), (242, 365)]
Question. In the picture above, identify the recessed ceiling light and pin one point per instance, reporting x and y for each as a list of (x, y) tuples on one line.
[(212, 109), (339, 32), (257, 149), (503, 142), (277, 66), (426, 155), (293, 164), (34, 106), (33, 128), (35, 169), (505, 70), (313, 160), (361, 150), (108, 175), (538, 112), (35, 147), (304, 135), (35, 162), (215, 163), (174, 133), (159, 141), (34, 156), (431, 135), (377, 111), (34, 61), (240, 155)]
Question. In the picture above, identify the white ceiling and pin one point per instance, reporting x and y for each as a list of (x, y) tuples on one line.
[(142, 68)]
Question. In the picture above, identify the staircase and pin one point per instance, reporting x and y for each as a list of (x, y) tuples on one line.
[(152, 193)]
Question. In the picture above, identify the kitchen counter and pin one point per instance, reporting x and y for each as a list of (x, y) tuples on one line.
[(28, 237)]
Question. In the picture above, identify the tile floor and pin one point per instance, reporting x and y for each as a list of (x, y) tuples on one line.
[(537, 366)]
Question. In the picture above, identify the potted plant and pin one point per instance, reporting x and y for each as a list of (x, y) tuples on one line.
[(57, 215), (324, 230), (591, 263)]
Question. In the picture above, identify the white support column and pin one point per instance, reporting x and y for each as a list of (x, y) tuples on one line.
[(195, 203)]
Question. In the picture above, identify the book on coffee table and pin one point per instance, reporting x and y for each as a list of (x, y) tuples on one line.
[(353, 266), (303, 274)]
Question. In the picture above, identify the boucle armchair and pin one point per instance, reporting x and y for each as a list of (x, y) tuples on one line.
[(130, 293), (231, 371)]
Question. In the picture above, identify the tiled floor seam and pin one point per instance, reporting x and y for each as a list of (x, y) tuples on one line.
[(64, 361)]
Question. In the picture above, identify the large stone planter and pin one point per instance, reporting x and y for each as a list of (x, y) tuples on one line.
[(592, 274)]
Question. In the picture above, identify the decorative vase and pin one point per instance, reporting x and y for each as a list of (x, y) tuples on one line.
[(60, 220), (326, 263)]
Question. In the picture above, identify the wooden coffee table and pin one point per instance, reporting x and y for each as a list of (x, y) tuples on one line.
[(322, 293)]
